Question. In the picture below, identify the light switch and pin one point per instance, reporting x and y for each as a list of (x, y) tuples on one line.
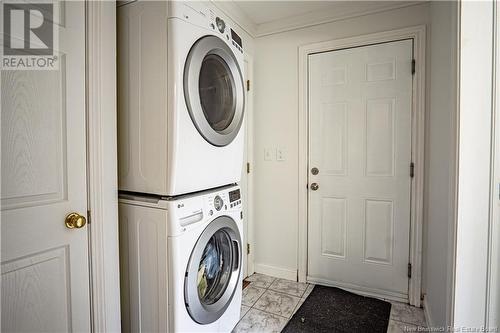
[(268, 154), (280, 154)]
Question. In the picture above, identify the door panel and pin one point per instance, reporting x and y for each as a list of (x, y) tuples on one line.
[(360, 140), (45, 277)]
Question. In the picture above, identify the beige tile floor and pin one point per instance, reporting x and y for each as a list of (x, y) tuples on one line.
[(268, 304)]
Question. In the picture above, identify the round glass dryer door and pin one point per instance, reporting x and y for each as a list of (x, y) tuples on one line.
[(213, 90), (213, 271)]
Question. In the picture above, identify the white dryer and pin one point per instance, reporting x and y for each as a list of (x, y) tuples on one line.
[(181, 262), (181, 98)]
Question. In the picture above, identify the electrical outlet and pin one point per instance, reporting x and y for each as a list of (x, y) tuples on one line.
[(280, 154), (268, 154)]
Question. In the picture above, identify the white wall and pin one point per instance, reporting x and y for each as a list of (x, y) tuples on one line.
[(440, 161), (473, 213), (276, 125), (494, 278)]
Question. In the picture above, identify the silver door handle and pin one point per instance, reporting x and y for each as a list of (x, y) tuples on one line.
[(314, 186)]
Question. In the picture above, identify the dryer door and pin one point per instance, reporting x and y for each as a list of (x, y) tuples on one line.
[(213, 271), (214, 91)]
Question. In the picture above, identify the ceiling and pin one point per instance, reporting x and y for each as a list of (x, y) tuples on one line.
[(261, 17), (267, 11)]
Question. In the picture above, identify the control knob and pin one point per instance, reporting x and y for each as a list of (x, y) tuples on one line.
[(218, 203), (221, 25)]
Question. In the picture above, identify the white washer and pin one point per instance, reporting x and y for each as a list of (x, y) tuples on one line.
[(181, 98), (181, 262)]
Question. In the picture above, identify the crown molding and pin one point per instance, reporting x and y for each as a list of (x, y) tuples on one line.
[(342, 11), (347, 11)]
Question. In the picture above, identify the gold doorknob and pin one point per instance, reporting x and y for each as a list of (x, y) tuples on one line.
[(75, 221)]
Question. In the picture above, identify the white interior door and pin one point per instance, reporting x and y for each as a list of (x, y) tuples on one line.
[(360, 141), (45, 274)]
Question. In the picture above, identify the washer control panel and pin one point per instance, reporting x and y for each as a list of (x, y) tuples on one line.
[(224, 200), (188, 211)]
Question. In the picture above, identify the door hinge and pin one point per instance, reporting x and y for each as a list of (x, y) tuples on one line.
[(248, 167), (88, 217), (413, 65), (409, 270), (412, 170), (248, 248), (248, 85)]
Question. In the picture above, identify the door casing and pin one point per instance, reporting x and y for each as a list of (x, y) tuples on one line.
[(102, 180), (416, 33), (247, 172)]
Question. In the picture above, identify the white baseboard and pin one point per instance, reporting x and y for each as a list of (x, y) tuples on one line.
[(428, 318), (279, 272)]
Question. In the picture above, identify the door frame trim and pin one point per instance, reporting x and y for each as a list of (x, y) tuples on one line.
[(417, 33), (102, 183), (248, 214)]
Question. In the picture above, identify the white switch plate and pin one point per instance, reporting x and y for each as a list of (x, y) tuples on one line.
[(268, 154), (280, 154)]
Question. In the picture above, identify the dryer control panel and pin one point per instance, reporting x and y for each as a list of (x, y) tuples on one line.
[(206, 16), (221, 25)]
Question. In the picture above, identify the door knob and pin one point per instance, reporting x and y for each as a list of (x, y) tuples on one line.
[(75, 221), (315, 171), (314, 186)]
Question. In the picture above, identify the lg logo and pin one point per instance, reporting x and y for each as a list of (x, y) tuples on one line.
[(28, 29)]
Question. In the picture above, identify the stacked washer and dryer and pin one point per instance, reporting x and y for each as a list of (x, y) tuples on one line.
[(180, 114)]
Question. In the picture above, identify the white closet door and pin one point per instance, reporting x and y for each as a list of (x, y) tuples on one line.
[(45, 265)]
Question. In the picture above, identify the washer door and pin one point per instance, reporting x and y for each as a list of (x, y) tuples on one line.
[(213, 271), (213, 90)]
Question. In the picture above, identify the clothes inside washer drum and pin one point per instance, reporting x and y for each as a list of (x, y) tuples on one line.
[(214, 270)]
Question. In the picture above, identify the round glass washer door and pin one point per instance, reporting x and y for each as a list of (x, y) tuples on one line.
[(213, 271), (214, 91)]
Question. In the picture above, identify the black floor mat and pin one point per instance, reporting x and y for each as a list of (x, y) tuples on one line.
[(331, 310)]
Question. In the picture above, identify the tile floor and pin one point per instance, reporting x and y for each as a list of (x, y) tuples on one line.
[(268, 304)]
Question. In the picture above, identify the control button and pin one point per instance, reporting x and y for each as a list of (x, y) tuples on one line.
[(218, 203), (212, 25), (225, 207), (210, 212)]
